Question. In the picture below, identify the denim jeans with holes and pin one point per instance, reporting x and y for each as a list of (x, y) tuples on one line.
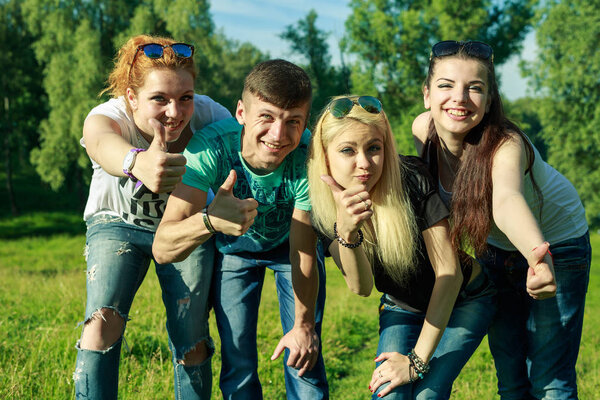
[(399, 330), (118, 256), (237, 291), (535, 343)]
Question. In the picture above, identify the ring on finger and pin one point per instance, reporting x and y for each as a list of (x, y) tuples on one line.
[(380, 374), (367, 206)]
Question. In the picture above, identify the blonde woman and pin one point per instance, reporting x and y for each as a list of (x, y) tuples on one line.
[(382, 220)]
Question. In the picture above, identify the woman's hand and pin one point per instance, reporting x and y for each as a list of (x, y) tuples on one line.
[(159, 170), (395, 370), (353, 208), (540, 275)]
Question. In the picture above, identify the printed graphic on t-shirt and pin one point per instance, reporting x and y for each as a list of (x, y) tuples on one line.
[(146, 208)]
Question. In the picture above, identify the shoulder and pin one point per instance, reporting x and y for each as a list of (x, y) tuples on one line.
[(207, 111), (217, 135), (420, 126), (418, 179), (114, 109)]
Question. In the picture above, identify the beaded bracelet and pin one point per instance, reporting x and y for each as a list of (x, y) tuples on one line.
[(420, 366), (343, 242)]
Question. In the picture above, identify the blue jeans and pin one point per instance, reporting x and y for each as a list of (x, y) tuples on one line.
[(399, 330), (238, 282), (118, 256), (535, 343)]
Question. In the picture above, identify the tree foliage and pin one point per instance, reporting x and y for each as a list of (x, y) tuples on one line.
[(22, 102), (566, 72), (75, 42), (309, 41), (392, 39)]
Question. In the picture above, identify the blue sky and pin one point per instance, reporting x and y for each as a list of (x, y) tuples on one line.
[(261, 21)]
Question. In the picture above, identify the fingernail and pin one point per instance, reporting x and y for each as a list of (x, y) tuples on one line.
[(379, 395)]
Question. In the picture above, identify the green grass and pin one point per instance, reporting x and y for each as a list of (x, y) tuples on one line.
[(42, 291)]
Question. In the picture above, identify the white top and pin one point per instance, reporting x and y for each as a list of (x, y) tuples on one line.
[(117, 195), (562, 216)]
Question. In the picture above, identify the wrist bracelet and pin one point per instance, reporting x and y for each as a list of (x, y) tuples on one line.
[(343, 242), (206, 220), (420, 366)]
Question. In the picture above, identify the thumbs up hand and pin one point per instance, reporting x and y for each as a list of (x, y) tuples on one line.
[(228, 214), (353, 207), (158, 170), (541, 283)]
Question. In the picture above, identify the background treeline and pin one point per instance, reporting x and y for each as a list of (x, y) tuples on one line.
[(56, 54)]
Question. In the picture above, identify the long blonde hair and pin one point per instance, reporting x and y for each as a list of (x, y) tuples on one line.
[(392, 237)]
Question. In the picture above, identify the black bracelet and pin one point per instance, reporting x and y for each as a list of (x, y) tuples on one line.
[(207, 223), (343, 242)]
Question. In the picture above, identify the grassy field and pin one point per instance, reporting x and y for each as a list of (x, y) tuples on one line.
[(42, 293)]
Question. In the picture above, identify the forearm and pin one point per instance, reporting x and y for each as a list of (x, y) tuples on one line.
[(514, 218), (443, 297), (355, 268), (175, 240), (109, 152), (305, 282)]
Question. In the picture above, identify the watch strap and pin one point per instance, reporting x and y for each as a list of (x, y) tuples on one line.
[(127, 169)]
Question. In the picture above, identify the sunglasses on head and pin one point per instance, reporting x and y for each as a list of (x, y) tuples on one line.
[(473, 48), (155, 50), (341, 107)]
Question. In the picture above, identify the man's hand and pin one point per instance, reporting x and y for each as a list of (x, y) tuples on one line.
[(303, 344), (158, 170), (227, 213), (540, 275)]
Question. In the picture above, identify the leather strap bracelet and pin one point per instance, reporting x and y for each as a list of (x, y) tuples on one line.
[(206, 220)]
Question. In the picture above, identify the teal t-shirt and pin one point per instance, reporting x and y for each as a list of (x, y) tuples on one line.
[(217, 150)]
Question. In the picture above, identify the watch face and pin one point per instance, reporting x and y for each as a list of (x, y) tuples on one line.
[(128, 161)]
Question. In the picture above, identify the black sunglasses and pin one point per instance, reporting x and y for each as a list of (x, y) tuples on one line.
[(341, 107), (155, 50), (473, 48)]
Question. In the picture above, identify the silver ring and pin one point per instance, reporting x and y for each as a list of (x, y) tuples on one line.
[(367, 206), (380, 374)]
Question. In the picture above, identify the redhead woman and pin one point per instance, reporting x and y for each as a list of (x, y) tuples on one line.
[(134, 140), (522, 218), (382, 221)]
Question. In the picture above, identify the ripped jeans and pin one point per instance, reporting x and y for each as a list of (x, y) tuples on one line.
[(118, 256)]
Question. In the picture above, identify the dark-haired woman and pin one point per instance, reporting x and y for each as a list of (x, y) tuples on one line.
[(522, 217)]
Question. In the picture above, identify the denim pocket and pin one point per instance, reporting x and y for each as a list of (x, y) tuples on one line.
[(572, 254)]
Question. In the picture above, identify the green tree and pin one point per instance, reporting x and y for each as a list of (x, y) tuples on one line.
[(525, 113), (308, 40), (68, 48), (75, 42), (566, 72), (22, 104), (391, 40)]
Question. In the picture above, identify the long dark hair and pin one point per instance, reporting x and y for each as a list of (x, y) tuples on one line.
[(471, 210)]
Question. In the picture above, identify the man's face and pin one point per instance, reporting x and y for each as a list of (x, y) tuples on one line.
[(270, 133)]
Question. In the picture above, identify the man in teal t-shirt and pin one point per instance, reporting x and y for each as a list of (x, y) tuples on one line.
[(255, 163)]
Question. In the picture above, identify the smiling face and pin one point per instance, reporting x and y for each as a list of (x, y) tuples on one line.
[(458, 95), (355, 156), (166, 95), (270, 133)]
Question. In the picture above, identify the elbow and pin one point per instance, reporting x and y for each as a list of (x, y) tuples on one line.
[(162, 256), (362, 290)]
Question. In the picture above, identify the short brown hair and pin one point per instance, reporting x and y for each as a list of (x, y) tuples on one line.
[(280, 83)]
